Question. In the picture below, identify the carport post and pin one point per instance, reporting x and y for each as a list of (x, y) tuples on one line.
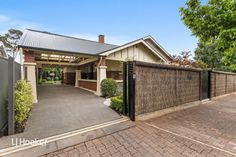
[(77, 77), (101, 75), (31, 77)]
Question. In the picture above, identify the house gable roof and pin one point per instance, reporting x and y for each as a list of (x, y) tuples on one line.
[(164, 55), (55, 42)]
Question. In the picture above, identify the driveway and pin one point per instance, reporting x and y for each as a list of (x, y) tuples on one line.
[(208, 130), (63, 108), (213, 123)]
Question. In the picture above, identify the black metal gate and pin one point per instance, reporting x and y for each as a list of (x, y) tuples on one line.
[(205, 76), (129, 90)]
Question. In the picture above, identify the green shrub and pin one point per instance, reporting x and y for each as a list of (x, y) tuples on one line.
[(109, 88), (44, 80), (23, 101), (48, 78), (56, 78), (117, 103)]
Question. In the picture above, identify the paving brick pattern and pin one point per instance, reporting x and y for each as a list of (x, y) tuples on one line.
[(139, 141), (213, 123)]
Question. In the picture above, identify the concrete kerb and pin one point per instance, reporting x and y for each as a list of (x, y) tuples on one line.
[(68, 139)]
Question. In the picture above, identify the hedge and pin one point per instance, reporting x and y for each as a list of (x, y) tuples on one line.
[(23, 102), (117, 103), (109, 87)]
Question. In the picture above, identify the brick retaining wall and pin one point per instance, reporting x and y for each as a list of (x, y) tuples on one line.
[(91, 85)]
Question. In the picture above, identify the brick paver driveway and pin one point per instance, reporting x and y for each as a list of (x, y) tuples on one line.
[(205, 130), (213, 123)]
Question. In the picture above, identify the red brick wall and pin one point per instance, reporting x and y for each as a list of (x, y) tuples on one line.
[(115, 75), (88, 85), (29, 56)]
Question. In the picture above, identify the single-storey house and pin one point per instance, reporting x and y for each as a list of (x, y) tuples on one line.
[(86, 63)]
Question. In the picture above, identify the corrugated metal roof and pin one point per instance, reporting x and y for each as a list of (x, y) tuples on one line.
[(55, 42)]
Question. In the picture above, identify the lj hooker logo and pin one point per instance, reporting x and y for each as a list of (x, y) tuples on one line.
[(25, 142)]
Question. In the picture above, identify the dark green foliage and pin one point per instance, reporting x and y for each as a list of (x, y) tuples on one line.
[(109, 87), (214, 24), (207, 53), (23, 102), (48, 78), (117, 104), (44, 80)]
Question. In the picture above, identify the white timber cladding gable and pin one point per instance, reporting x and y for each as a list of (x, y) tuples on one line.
[(137, 52)]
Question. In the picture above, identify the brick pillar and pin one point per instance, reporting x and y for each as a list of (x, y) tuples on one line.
[(30, 73), (29, 57)]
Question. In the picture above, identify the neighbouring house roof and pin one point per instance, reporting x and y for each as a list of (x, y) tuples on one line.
[(55, 42), (2, 50)]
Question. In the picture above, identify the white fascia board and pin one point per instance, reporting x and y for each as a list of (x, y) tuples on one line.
[(154, 51), (150, 37), (134, 43)]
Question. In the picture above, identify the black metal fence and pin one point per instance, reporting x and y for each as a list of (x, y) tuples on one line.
[(129, 90), (4, 90)]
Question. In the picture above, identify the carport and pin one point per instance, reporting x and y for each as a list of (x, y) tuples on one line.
[(62, 108), (82, 65)]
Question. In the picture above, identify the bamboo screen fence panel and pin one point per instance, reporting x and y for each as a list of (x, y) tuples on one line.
[(222, 83), (159, 87)]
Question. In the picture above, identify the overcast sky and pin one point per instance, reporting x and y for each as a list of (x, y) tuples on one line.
[(120, 21)]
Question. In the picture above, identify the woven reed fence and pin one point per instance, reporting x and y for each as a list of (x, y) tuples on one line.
[(222, 83), (163, 86)]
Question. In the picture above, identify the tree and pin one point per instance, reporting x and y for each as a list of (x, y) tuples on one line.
[(10, 40), (214, 24), (183, 59), (206, 53)]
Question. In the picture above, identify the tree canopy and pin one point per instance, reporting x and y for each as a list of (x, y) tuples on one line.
[(10, 39), (214, 24)]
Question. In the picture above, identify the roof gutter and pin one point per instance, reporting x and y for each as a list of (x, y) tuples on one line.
[(54, 50)]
